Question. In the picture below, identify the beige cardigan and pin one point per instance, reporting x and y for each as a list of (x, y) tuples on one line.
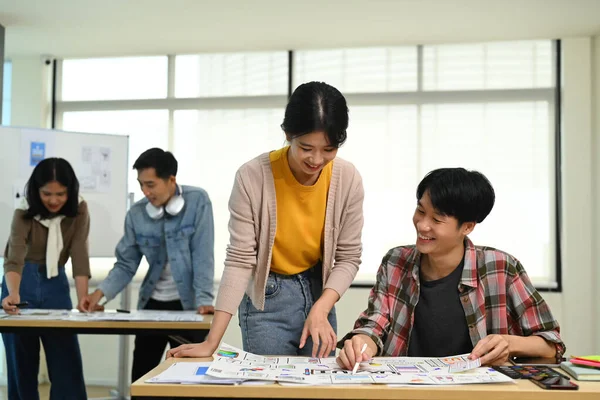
[(253, 223)]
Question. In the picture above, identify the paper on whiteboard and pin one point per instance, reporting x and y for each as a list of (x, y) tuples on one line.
[(36, 145), (94, 173)]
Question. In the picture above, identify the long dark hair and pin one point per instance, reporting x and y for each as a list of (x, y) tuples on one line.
[(317, 106), (48, 170)]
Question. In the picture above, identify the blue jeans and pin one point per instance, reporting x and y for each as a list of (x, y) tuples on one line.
[(277, 329), (63, 356)]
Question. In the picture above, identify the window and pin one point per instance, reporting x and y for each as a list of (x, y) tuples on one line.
[(486, 106), (367, 70), (231, 74), (395, 138), (510, 143), (488, 66), (212, 144), (114, 78), (226, 109), (6, 93)]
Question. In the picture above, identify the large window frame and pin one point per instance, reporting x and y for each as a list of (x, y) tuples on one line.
[(419, 97)]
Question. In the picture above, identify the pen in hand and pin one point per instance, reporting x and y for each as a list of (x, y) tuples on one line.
[(356, 364)]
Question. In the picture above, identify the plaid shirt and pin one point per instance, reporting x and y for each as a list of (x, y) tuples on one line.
[(495, 292)]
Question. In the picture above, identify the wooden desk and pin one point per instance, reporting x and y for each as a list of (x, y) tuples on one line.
[(522, 390), (104, 327), (22, 325)]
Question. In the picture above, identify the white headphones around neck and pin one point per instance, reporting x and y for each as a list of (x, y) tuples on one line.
[(173, 206)]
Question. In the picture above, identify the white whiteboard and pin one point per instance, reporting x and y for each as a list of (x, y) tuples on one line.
[(107, 201)]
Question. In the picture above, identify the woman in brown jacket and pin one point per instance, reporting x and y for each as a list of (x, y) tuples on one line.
[(51, 226)]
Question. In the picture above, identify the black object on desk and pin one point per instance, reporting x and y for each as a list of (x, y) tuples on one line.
[(526, 371), (554, 382), (123, 311), (543, 376), (537, 361)]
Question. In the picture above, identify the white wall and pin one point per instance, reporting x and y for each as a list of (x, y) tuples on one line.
[(31, 92), (596, 179), (580, 203), (576, 307)]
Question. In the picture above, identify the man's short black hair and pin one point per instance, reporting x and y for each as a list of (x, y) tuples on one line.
[(466, 195), (163, 162)]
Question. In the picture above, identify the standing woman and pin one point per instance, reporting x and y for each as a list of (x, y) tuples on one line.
[(295, 235), (52, 226)]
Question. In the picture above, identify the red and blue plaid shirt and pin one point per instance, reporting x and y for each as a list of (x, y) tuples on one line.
[(495, 292)]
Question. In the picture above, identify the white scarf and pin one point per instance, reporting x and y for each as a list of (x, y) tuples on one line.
[(54, 243)]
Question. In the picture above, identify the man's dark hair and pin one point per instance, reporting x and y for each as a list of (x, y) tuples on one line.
[(466, 195), (163, 162)]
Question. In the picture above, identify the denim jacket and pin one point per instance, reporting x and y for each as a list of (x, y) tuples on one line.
[(186, 241)]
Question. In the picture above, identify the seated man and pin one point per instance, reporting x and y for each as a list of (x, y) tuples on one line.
[(446, 296)]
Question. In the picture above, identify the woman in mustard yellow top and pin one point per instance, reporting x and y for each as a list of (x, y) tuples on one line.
[(295, 235)]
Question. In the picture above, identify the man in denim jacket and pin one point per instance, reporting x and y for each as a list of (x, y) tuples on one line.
[(173, 228)]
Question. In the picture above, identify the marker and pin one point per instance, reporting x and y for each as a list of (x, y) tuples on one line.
[(356, 364), (123, 311), (21, 305)]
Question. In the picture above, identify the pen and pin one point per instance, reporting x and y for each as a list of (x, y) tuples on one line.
[(356, 364), (20, 305), (123, 311)]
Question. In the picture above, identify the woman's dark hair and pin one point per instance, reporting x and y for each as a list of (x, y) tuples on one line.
[(317, 107), (466, 195), (49, 170)]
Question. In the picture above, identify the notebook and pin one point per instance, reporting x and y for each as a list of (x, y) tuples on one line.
[(581, 373)]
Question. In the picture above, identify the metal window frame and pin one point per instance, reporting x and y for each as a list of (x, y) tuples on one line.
[(551, 95)]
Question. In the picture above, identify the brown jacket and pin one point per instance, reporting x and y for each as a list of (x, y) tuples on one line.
[(27, 242)]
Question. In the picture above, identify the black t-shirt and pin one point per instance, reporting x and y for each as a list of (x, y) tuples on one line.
[(440, 327)]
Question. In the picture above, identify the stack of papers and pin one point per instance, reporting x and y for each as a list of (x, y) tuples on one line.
[(236, 365), (191, 373)]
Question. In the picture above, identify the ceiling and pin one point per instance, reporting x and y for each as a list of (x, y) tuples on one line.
[(87, 28)]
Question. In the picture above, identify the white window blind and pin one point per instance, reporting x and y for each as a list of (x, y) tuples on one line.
[(366, 70), (231, 74), (412, 109), (503, 65), (395, 144), (120, 78), (211, 145)]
